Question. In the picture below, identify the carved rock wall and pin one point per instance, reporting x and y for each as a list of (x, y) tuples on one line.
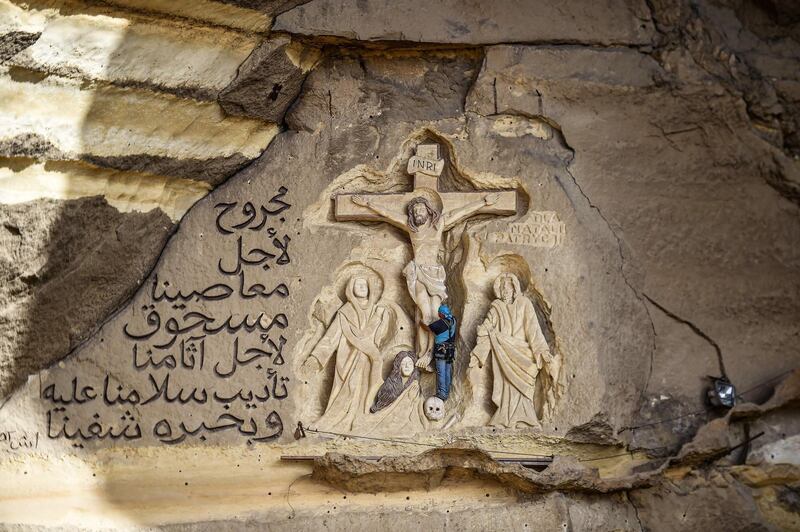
[(118, 101), (158, 336)]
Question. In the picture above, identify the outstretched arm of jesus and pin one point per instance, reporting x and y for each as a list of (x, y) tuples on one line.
[(464, 212), (386, 214)]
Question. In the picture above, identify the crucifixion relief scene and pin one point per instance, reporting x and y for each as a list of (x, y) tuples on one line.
[(366, 334), (364, 265)]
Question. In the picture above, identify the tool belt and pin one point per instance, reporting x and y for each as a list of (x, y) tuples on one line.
[(445, 351)]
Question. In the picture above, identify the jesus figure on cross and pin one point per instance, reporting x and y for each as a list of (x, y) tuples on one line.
[(425, 276), (415, 213)]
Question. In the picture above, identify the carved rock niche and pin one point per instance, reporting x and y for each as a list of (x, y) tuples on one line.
[(304, 290)]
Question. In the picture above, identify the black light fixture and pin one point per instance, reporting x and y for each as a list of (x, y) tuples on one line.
[(722, 393)]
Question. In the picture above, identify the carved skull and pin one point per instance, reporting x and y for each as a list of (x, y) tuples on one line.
[(434, 408)]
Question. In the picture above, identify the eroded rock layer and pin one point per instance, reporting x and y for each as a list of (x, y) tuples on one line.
[(120, 100), (215, 281)]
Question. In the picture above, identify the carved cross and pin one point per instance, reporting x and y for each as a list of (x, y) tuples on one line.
[(426, 166)]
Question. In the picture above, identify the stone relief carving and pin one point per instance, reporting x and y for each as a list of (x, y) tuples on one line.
[(539, 229), (399, 404), (520, 356), (357, 335), (196, 357), (404, 373), (359, 332), (424, 214), (434, 408)]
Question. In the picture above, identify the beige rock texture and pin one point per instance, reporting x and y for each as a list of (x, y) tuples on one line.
[(617, 22), (117, 100), (61, 257), (174, 246)]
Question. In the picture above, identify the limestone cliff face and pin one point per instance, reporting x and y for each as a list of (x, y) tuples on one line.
[(119, 101), (166, 175)]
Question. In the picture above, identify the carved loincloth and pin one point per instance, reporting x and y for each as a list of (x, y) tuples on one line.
[(431, 277)]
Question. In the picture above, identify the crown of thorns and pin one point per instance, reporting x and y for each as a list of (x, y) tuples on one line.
[(420, 200)]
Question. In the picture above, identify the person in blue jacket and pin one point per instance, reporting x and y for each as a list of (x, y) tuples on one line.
[(444, 350)]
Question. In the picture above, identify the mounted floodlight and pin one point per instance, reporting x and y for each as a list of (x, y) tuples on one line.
[(722, 393)]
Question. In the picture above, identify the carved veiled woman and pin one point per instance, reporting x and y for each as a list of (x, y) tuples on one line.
[(399, 407), (512, 335), (356, 335)]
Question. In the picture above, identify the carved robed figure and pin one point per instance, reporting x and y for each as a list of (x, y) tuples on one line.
[(357, 334), (417, 214), (399, 406), (511, 334)]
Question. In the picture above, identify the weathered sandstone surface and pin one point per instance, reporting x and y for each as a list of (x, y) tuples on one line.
[(173, 253), (117, 100)]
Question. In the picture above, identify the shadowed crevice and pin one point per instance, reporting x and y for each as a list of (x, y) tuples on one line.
[(64, 267)]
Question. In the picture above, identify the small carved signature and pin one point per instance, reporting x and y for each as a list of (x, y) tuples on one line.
[(15, 440)]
